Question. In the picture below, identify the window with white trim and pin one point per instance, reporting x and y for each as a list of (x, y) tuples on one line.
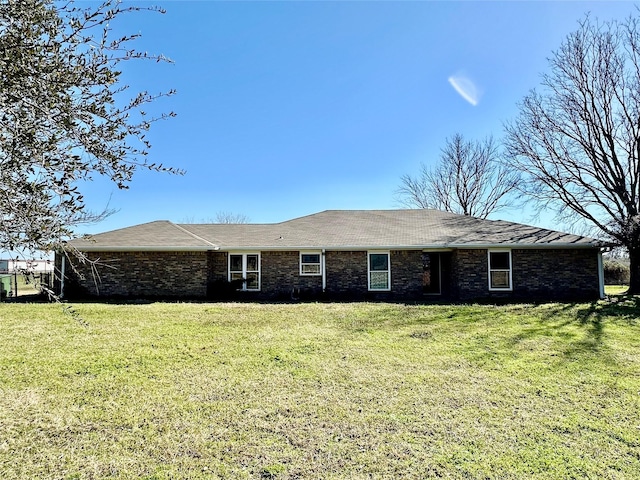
[(245, 267), (310, 263), (499, 269), (379, 266)]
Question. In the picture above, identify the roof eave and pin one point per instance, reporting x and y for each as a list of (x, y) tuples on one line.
[(524, 245), (144, 248), (445, 247), (442, 247)]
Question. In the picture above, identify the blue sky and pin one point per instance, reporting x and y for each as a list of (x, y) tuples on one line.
[(289, 108)]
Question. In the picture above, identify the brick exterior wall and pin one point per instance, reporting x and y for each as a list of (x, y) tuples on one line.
[(217, 266), (469, 274), (141, 274), (537, 274), (346, 274), (281, 277), (555, 274), (406, 274)]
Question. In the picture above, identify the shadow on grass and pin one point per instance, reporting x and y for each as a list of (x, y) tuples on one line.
[(615, 308), (591, 318), (625, 307), (35, 297), (579, 327)]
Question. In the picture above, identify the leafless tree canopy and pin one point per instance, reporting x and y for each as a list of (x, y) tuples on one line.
[(469, 179), (65, 115), (577, 139), (229, 217), (221, 217)]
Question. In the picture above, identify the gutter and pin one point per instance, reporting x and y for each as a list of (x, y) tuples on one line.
[(323, 270), (253, 248), (145, 248), (601, 276), (62, 268), (433, 248)]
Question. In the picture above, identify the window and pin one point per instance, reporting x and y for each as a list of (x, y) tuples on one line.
[(379, 271), (499, 270), (310, 264), (245, 267)]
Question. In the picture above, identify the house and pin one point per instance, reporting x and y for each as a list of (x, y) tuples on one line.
[(402, 255)]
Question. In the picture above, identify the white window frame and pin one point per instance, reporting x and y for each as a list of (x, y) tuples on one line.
[(318, 263), (509, 271), (244, 272), (379, 252)]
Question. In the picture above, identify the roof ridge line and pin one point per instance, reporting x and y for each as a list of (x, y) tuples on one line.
[(197, 237)]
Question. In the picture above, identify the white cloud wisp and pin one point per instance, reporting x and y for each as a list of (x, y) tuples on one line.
[(465, 88)]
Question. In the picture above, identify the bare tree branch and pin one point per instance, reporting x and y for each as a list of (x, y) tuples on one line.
[(221, 217), (469, 179), (577, 140), (229, 217)]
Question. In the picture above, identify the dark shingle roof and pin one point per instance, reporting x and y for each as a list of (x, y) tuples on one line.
[(147, 236), (337, 229)]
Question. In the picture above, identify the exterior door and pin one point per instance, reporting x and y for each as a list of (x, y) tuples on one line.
[(431, 273)]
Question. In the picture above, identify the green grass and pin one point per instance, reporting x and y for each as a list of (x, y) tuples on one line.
[(615, 289), (333, 391)]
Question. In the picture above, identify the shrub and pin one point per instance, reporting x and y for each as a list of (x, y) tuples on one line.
[(223, 290), (616, 273)]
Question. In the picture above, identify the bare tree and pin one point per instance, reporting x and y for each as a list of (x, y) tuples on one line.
[(469, 179), (577, 140), (221, 217), (229, 217), (65, 116)]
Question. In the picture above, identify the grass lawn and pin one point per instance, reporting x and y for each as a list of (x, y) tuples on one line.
[(328, 391), (615, 289)]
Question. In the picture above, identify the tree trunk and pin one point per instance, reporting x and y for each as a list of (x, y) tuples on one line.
[(634, 271)]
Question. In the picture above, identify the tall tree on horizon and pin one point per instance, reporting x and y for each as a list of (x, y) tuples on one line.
[(468, 179), (576, 140)]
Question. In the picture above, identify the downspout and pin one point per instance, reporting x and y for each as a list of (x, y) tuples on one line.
[(600, 275), (324, 271), (62, 267)]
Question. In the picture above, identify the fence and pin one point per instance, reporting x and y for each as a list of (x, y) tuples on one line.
[(14, 285)]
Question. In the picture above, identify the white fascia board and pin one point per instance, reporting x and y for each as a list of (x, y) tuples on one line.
[(525, 246), (433, 248), (442, 248), (315, 248), (144, 248)]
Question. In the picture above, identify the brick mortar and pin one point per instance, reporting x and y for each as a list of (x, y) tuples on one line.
[(537, 273), (131, 274)]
